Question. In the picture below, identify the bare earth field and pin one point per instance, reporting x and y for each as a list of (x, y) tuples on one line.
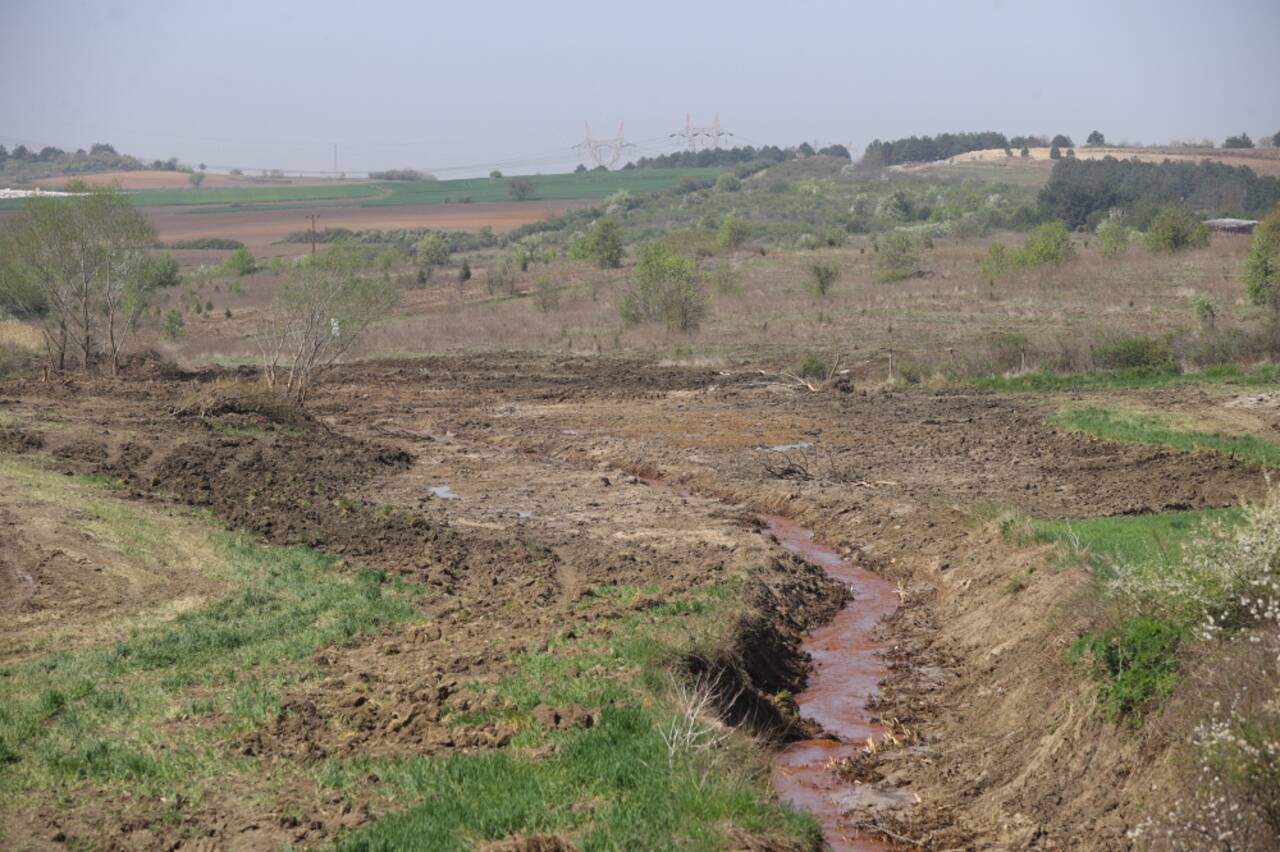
[(512, 490), (259, 228)]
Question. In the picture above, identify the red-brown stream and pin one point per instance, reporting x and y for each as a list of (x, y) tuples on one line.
[(847, 668)]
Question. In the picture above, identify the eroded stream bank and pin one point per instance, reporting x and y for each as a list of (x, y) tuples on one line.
[(847, 667)]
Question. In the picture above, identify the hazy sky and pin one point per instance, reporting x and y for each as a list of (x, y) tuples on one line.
[(462, 86)]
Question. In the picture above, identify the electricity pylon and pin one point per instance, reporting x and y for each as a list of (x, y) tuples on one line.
[(695, 136), (604, 152)]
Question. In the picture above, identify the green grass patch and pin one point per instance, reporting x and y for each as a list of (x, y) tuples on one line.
[(113, 714), (1143, 429), (1103, 542), (615, 785), (558, 187), (1132, 377), (1135, 663)]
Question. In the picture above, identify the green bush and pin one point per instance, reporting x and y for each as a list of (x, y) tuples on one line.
[(217, 243), (898, 258), (814, 367), (604, 244), (160, 271), (664, 288), (1047, 243), (1136, 351), (734, 231), (1176, 228), (1262, 267), (433, 249), (241, 262), (172, 325), (728, 182), (1136, 662), (823, 276), (1115, 235)]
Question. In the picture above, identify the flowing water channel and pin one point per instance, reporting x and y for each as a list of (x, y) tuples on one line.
[(847, 667)]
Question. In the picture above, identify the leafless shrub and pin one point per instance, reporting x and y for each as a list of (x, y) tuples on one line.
[(805, 463), (697, 727)]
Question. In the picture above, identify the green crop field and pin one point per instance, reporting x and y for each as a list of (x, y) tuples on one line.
[(396, 193)]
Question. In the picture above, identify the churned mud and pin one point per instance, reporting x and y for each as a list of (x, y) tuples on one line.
[(513, 486)]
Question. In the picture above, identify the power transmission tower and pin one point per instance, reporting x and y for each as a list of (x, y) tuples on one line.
[(693, 137), (603, 152)]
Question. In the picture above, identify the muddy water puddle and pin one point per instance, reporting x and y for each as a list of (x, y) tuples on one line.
[(847, 667)]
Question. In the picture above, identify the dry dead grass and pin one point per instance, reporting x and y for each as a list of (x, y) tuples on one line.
[(939, 318), (21, 335)]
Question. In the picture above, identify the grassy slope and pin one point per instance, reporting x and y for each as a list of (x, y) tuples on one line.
[(1140, 429), (151, 716), (116, 714), (1138, 377), (1131, 539)]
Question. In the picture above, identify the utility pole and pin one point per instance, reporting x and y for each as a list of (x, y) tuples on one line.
[(313, 217), (335, 158)]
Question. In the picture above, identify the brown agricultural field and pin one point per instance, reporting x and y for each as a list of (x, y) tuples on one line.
[(260, 229)]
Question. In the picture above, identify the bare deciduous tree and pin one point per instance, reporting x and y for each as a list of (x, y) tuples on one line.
[(317, 316), (77, 265)]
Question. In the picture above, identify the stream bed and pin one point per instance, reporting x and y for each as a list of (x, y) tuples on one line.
[(847, 667)]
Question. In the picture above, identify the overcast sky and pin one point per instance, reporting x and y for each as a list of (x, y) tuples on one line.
[(460, 87)]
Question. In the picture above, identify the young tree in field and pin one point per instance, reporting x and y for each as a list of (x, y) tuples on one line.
[(77, 264), (1262, 267), (664, 287), (328, 302), (1176, 228), (433, 250), (734, 231), (604, 243), (196, 179), (521, 189), (173, 324)]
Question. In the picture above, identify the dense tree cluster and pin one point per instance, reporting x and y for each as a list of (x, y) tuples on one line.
[(101, 157), (713, 157), (919, 149), (1081, 192)]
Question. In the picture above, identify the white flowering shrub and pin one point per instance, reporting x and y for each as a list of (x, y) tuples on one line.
[(1228, 577), (620, 202), (1227, 587)]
